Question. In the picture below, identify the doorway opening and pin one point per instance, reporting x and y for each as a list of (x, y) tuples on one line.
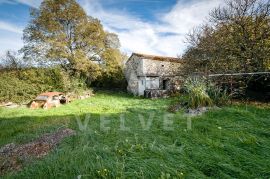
[(165, 84)]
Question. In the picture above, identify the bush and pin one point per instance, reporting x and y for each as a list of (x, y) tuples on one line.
[(202, 94), (20, 86), (218, 95), (197, 92)]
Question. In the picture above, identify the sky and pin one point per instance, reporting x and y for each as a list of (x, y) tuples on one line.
[(157, 27)]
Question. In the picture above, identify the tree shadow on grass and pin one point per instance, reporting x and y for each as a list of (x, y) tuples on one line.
[(111, 147)]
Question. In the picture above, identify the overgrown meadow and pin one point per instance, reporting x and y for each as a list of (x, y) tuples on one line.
[(118, 138)]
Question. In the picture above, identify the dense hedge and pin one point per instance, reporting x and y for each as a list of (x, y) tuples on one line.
[(22, 85)]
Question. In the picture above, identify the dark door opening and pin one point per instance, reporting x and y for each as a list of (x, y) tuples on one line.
[(165, 84)]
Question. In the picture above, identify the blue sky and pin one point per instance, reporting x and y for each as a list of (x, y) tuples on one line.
[(145, 26)]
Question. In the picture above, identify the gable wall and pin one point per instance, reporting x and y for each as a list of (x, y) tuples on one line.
[(132, 68), (161, 68)]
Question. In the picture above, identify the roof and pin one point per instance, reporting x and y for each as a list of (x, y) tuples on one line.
[(50, 94), (158, 58)]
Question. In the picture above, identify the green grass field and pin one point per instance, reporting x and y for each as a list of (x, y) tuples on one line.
[(232, 142)]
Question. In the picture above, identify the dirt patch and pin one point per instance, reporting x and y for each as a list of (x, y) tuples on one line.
[(13, 156)]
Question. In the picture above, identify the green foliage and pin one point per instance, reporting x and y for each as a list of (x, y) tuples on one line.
[(112, 75), (21, 86), (61, 31), (236, 39), (197, 92), (201, 93), (218, 95), (232, 142)]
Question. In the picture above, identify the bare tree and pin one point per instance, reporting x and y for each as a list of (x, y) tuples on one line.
[(11, 60)]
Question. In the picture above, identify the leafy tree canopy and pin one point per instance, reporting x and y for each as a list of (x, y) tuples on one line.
[(236, 39), (61, 32)]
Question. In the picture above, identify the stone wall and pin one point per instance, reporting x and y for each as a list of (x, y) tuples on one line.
[(156, 93), (146, 74), (132, 68), (161, 68)]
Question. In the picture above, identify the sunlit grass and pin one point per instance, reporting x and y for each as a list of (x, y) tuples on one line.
[(229, 142)]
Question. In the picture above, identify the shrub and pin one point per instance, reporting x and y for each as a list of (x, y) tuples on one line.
[(200, 93), (22, 85), (197, 92), (218, 95)]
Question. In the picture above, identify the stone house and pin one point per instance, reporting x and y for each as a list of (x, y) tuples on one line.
[(153, 76)]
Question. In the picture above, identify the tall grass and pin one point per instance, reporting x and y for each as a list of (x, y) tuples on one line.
[(218, 95), (201, 93), (197, 92)]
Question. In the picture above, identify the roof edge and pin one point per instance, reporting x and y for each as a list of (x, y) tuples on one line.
[(156, 57)]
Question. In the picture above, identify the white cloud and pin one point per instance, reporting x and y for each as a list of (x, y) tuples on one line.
[(32, 3), (10, 27), (10, 41), (184, 17), (165, 37), (11, 37)]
